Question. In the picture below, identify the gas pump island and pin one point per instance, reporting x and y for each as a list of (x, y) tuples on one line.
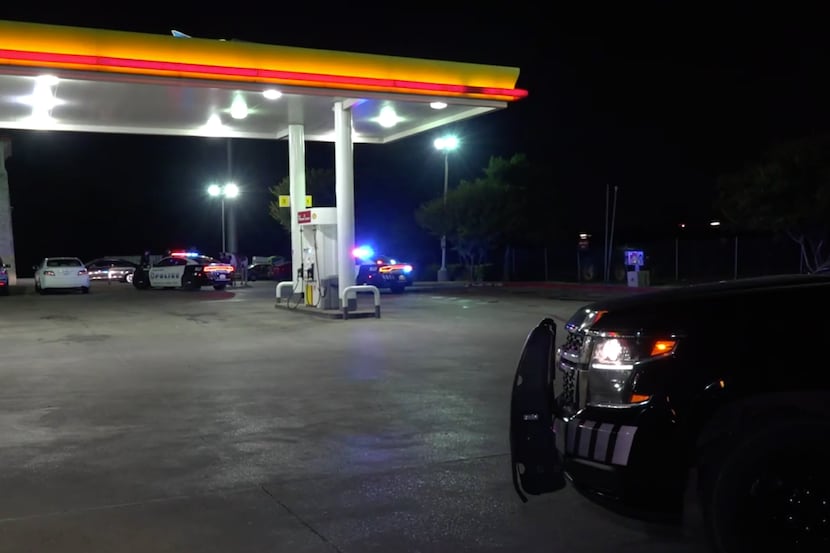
[(318, 243), (317, 278)]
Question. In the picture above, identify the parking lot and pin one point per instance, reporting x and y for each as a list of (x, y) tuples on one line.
[(211, 421)]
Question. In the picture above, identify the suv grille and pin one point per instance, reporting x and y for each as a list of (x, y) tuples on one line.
[(573, 343), (568, 380), (568, 394)]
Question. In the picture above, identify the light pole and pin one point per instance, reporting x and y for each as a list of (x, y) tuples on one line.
[(681, 226), (445, 144), (735, 255), (229, 190)]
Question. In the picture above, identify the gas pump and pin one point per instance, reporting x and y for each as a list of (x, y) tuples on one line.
[(318, 240)]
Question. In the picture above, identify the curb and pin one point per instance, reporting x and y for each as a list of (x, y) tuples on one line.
[(579, 286), (331, 314), (18, 290), (575, 286)]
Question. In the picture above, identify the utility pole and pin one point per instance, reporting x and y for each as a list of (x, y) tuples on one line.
[(605, 251), (611, 239)]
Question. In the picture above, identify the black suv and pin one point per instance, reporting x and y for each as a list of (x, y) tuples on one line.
[(712, 396)]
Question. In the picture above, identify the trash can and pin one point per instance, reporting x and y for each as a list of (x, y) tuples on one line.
[(331, 299)]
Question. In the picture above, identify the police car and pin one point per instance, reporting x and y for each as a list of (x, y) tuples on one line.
[(381, 270), (188, 270), (4, 278)]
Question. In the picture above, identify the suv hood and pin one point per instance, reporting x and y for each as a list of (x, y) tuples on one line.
[(674, 309)]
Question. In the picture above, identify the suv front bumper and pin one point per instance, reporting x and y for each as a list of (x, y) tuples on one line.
[(629, 457)]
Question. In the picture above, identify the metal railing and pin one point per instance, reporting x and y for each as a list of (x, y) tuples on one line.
[(280, 286), (344, 296)]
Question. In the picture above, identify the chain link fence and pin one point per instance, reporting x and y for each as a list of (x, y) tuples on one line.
[(670, 260)]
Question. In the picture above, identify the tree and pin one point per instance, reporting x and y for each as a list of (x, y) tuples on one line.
[(319, 184), (509, 206), (519, 203), (787, 191), (472, 219)]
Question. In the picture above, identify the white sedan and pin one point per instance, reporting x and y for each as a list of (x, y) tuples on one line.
[(61, 273)]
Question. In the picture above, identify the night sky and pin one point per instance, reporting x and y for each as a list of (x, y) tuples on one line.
[(655, 102)]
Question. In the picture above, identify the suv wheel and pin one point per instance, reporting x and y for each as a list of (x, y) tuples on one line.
[(771, 491)]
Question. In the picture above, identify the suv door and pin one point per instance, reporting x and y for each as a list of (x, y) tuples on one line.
[(536, 465)]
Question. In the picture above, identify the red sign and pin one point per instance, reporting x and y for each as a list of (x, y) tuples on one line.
[(304, 216)]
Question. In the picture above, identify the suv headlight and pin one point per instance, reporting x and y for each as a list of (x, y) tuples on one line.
[(618, 353), (613, 353), (612, 361)]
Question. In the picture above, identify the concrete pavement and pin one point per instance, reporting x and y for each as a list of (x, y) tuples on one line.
[(181, 421)]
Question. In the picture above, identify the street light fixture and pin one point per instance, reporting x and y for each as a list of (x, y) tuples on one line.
[(445, 144), (230, 190)]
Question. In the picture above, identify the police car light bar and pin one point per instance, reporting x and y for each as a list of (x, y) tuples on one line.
[(185, 254)]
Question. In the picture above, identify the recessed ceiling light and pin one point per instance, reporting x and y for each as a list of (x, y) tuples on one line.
[(271, 94), (387, 118), (214, 126), (48, 80), (40, 119), (239, 109), (42, 98), (437, 105)]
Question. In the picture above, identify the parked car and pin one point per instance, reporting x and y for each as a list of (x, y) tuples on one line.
[(184, 269), (61, 273), (105, 268), (282, 271), (268, 271), (260, 271), (4, 278), (706, 400)]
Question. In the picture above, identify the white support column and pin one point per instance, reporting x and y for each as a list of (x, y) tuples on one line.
[(344, 193), (230, 207), (296, 178), (6, 236)]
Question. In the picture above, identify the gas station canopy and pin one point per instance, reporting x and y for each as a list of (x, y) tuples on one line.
[(74, 79)]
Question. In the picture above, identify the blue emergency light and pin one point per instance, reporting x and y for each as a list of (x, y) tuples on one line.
[(363, 252)]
